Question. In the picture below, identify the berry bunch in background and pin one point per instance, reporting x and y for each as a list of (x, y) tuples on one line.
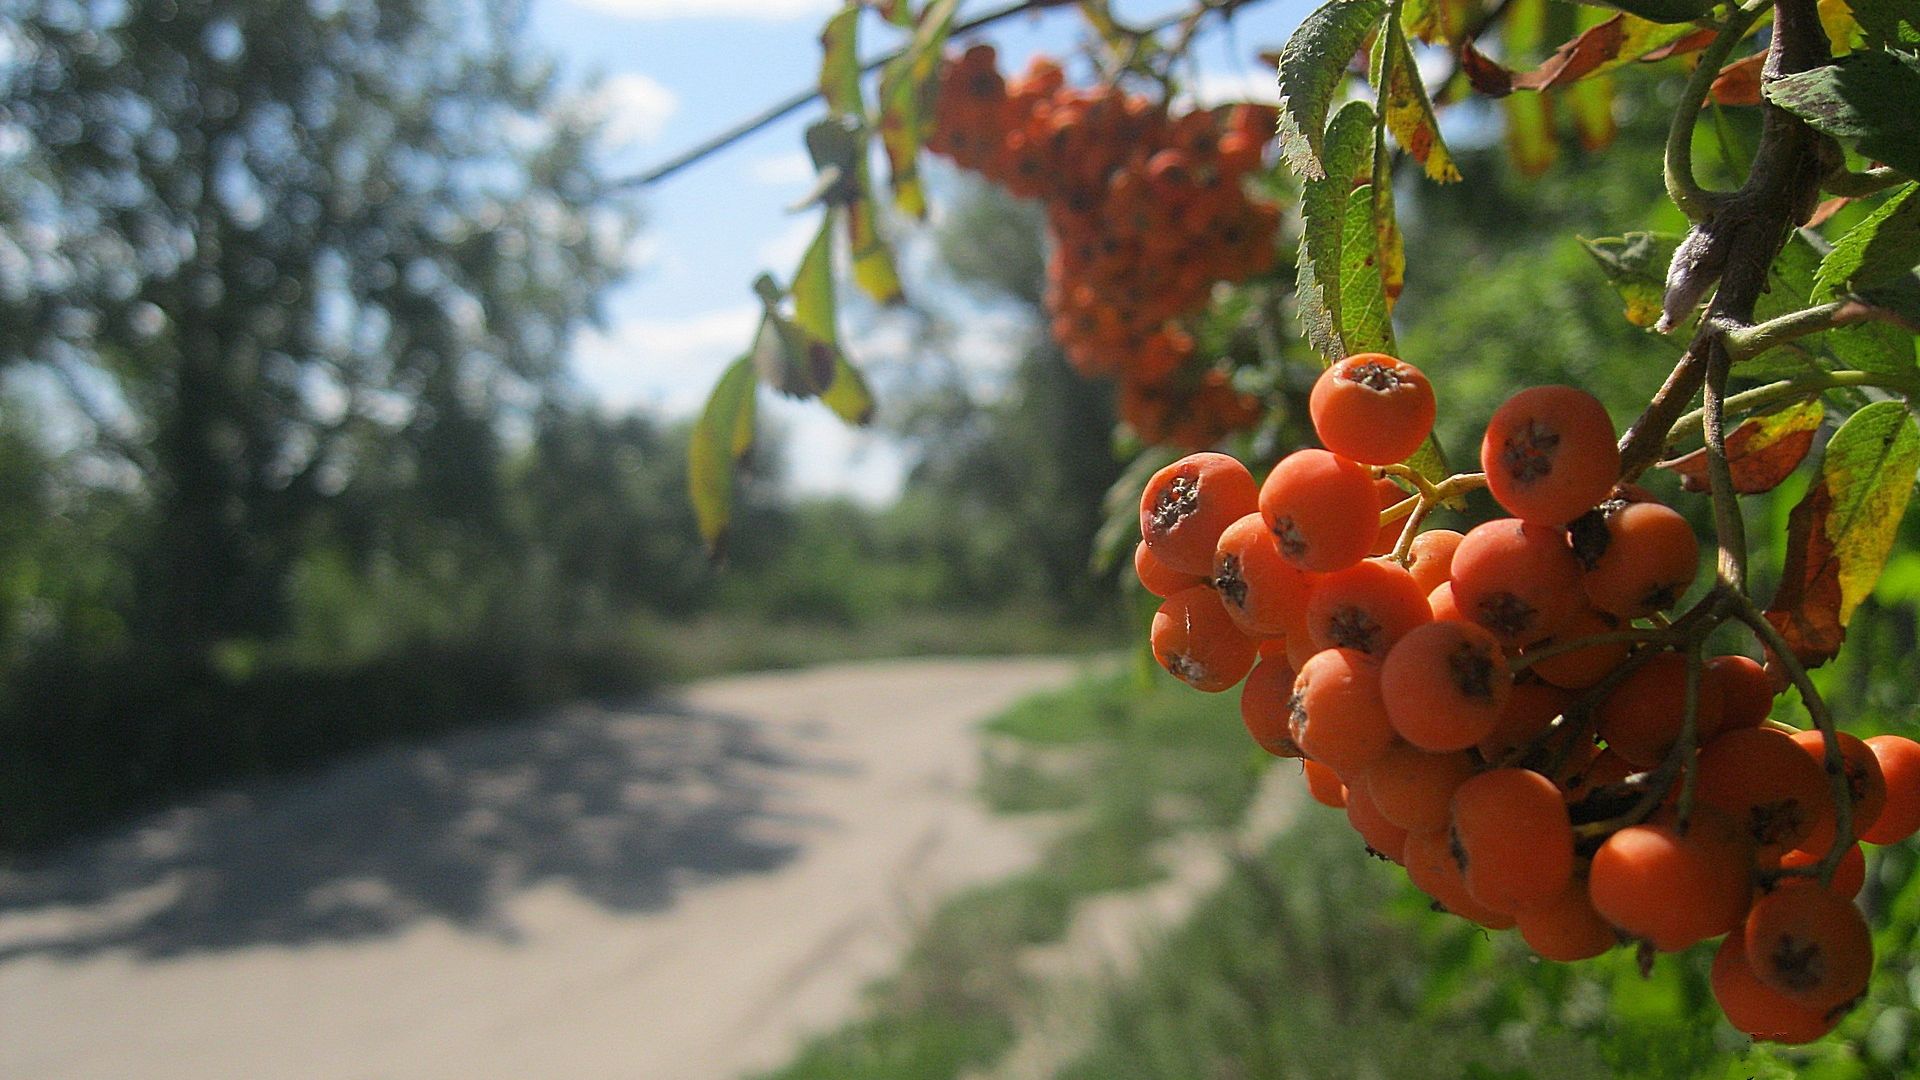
[(1510, 713), (1146, 211)]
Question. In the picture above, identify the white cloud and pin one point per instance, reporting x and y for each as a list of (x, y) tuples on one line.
[(791, 168), (781, 252), (1226, 87), (635, 107), (668, 364), (759, 10)]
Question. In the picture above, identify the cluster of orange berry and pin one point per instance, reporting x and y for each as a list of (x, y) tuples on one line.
[(1146, 211), (1489, 715)]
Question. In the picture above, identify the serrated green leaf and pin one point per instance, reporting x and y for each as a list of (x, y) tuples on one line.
[(1888, 23), (1323, 208), (1312, 66), (1867, 99), (840, 64), (1364, 322), (1873, 346), (1410, 112), (1840, 534), (1885, 245), (1636, 267), (721, 437)]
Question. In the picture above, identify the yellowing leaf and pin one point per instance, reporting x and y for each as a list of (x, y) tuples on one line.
[(721, 437), (1761, 452), (1840, 534), (1410, 113)]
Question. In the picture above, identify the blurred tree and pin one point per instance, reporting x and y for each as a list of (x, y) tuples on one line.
[(280, 250)]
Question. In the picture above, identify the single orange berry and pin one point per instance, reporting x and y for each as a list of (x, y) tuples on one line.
[(1157, 577), (1757, 1009), (1899, 759), (1195, 639), (1259, 587), (1367, 606), (1188, 504), (1515, 839), (1517, 579), (1641, 558), (1445, 684), (1372, 408), (1336, 714), (1549, 454), (1264, 706), (1322, 509), (1811, 946)]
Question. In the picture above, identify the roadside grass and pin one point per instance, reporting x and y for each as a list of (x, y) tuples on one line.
[(1130, 768)]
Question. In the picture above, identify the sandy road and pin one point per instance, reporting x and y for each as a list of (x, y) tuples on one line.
[(672, 892)]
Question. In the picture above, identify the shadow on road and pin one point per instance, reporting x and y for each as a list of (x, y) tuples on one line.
[(624, 807)]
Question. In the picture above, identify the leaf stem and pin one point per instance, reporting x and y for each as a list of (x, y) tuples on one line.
[(1728, 525), (1855, 184), (1804, 386)]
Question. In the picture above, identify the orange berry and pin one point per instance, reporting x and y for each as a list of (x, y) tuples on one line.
[(1258, 586), (1433, 867), (1430, 559), (1549, 454), (1335, 712), (1195, 639), (1440, 601), (1865, 782), (1382, 836), (1414, 788), (1322, 508), (1264, 708), (1372, 408), (1566, 928), (1517, 579), (1324, 785), (1899, 759), (1757, 1009), (1188, 504), (1764, 781), (1157, 577), (1811, 946), (1445, 684), (1849, 874), (1745, 690), (1367, 606), (1641, 559), (1674, 889), (1580, 668), (1512, 826), (1529, 710), (1642, 717)]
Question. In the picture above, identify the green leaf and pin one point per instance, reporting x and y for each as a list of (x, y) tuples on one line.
[(873, 268), (1888, 23), (1636, 267), (813, 301), (835, 146), (1530, 141), (1312, 66), (721, 438), (1882, 247), (1873, 346), (1323, 206), (1840, 534), (1364, 323), (1868, 99), (840, 64), (1410, 112)]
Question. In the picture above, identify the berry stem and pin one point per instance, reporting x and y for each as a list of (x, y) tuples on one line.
[(1632, 636)]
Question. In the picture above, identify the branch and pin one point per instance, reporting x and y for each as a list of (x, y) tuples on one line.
[(1760, 397), (1728, 526)]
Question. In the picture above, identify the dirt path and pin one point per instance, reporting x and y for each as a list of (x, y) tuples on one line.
[(677, 892)]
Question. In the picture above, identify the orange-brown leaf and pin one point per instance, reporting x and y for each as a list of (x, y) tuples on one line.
[(1761, 452), (1739, 82), (1806, 610)]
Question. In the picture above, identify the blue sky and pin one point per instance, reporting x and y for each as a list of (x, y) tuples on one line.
[(676, 71)]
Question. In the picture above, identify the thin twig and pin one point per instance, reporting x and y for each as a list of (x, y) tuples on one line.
[(1682, 187)]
